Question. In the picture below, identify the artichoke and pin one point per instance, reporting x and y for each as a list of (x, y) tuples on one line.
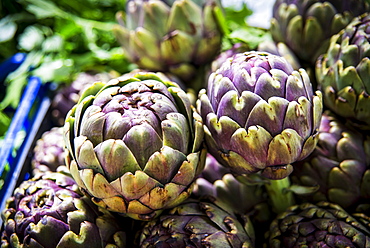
[(343, 73), (178, 36), (135, 145), (49, 152), (322, 225), (197, 224), (339, 166), (259, 114), (50, 211), (307, 25)]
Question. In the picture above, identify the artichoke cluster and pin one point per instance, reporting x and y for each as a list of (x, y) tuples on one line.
[(207, 145)]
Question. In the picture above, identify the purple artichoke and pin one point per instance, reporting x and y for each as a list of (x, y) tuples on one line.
[(259, 114), (50, 211)]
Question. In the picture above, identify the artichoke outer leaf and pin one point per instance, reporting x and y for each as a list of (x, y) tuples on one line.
[(144, 43), (175, 47), (270, 113), (176, 132), (317, 103), (182, 102), (115, 158), (96, 184), (85, 155), (255, 141), (185, 16), (237, 163), (114, 203), (234, 106), (297, 85), (199, 132), (188, 170), (75, 172), (294, 32), (164, 164), (285, 148), (223, 128), (363, 70), (88, 236), (299, 117), (313, 28), (122, 35), (156, 17), (185, 194), (133, 186), (350, 77), (91, 90), (67, 136), (203, 104), (78, 113), (160, 197), (308, 146), (44, 227), (139, 211), (346, 100), (92, 124)]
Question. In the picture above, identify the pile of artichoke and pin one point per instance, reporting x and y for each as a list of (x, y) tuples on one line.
[(206, 145)]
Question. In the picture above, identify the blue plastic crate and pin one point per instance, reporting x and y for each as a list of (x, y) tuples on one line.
[(27, 120)]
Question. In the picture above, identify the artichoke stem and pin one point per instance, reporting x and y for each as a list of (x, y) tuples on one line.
[(281, 198)]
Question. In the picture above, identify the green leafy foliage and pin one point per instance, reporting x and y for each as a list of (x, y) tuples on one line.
[(240, 31)]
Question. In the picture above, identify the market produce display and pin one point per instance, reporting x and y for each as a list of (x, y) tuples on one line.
[(177, 124)]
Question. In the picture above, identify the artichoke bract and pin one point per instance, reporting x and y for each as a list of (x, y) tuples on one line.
[(259, 114), (339, 165), (135, 145), (176, 36), (343, 73), (317, 225), (197, 224), (50, 211), (307, 25)]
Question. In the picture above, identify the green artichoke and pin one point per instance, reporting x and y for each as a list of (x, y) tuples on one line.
[(322, 225), (343, 73), (307, 25), (259, 114), (49, 152), (197, 224), (135, 145), (339, 166), (178, 36), (50, 211)]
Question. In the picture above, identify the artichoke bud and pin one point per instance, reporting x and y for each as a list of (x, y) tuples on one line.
[(259, 114), (170, 36), (136, 145), (338, 167), (306, 26), (50, 211), (342, 73), (317, 225)]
